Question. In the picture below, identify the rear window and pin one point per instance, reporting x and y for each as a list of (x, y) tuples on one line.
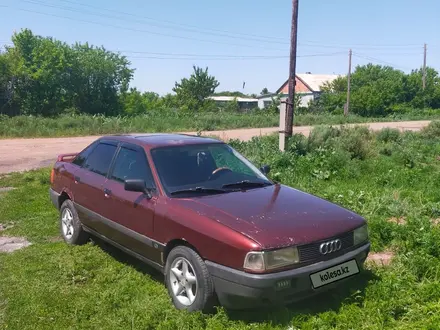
[(100, 158), (82, 156)]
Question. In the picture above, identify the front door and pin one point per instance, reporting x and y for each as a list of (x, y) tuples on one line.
[(132, 213)]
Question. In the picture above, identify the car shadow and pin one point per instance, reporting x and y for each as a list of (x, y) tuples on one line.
[(352, 292), (128, 260)]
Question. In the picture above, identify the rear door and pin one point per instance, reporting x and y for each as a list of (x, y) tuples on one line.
[(132, 213), (88, 187)]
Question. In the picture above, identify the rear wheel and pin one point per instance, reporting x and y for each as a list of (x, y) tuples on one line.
[(188, 281), (70, 225)]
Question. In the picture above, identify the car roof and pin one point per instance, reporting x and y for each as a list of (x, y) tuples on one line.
[(152, 140)]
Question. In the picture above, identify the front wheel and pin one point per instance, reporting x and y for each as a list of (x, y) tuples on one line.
[(188, 281), (70, 225)]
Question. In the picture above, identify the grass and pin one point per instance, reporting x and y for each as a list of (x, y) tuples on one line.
[(81, 125), (382, 175)]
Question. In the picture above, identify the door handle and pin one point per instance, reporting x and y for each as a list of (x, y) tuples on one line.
[(107, 192), (77, 179)]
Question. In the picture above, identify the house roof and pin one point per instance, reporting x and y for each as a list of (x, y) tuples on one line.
[(232, 98), (312, 81), (315, 81)]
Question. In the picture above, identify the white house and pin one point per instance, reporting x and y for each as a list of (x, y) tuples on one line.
[(244, 103)]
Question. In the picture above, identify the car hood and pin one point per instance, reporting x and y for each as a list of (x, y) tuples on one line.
[(276, 215)]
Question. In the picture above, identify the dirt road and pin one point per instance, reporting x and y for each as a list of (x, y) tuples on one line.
[(26, 154)]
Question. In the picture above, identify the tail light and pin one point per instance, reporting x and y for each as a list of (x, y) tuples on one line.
[(52, 175)]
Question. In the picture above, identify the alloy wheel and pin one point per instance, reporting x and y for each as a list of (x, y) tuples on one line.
[(183, 281)]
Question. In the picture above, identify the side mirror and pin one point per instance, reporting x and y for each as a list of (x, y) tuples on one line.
[(265, 169), (136, 185)]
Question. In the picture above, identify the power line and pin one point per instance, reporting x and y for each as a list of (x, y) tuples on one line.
[(214, 58), (271, 38), (378, 46), (189, 56), (150, 24), (139, 30), (195, 29), (380, 61), (171, 22)]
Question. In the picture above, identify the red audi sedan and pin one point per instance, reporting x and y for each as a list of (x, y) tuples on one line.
[(218, 228)]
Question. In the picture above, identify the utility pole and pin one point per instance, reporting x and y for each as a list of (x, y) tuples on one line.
[(424, 67), (347, 105), (292, 69)]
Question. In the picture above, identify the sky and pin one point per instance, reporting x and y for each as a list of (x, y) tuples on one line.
[(241, 41)]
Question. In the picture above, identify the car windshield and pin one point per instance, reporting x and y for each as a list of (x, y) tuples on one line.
[(205, 169)]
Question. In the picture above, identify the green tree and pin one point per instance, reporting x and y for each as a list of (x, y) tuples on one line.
[(40, 68), (418, 98), (264, 91), (375, 91), (99, 78), (47, 76), (192, 92), (133, 102), (6, 92)]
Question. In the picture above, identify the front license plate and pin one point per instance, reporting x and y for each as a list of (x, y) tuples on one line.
[(334, 273)]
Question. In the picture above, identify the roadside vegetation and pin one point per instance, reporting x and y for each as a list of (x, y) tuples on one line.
[(50, 88), (82, 125), (390, 178)]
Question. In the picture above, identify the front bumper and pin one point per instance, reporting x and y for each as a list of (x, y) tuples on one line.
[(241, 290)]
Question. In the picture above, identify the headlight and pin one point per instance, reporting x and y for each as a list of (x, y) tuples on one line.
[(360, 235), (261, 261)]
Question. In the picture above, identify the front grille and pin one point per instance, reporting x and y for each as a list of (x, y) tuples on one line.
[(309, 253)]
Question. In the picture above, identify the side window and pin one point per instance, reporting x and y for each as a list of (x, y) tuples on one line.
[(100, 158), (82, 156), (132, 164)]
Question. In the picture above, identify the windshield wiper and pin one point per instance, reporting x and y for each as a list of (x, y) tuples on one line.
[(246, 183), (198, 190)]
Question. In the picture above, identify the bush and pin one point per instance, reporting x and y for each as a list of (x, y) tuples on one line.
[(388, 135), (320, 136), (297, 144), (432, 130), (356, 141), (353, 140)]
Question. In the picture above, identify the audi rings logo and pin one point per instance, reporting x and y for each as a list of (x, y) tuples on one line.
[(330, 247)]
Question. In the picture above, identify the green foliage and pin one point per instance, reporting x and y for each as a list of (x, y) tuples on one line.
[(388, 135), (418, 98), (231, 106), (432, 130), (264, 91), (161, 118), (380, 91), (193, 92), (47, 76), (43, 76)]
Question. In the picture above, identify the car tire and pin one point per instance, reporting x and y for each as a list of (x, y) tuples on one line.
[(198, 296), (70, 225)]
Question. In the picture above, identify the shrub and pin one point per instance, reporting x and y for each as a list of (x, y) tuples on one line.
[(432, 130), (297, 144), (388, 135), (321, 135), (356, 141)]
